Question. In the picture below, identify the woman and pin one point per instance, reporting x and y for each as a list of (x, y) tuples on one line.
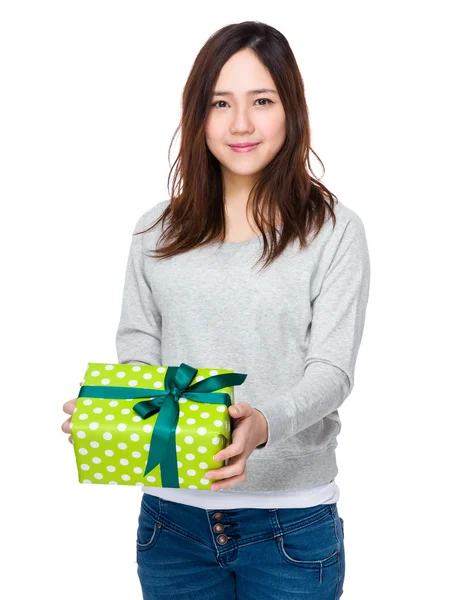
[(268, 527)]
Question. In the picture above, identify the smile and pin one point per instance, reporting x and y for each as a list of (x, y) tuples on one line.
[(247, 148)]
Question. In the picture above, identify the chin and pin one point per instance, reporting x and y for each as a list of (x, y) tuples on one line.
[(244, 172)]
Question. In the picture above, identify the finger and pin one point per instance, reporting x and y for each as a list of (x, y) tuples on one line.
[(69, 406), (227, 483), (241, 409), (237, 445), (229, 471), (70, 439), (65, 427), (234, 449)]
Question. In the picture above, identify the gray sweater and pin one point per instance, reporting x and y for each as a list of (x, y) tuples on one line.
[(295, 329)]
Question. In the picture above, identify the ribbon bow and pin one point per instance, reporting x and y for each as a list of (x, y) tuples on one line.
[(166, 402)]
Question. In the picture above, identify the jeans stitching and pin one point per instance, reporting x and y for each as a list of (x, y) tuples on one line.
[(185, 534), (336, 593), (309, 563), (155, 534), (279, 533)]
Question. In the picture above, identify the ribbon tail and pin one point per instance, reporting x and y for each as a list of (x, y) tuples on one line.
[(159, 443), (169, 465)]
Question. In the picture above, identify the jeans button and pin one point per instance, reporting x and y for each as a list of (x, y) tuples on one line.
[(218, 528), (222, 539), (217, 516)]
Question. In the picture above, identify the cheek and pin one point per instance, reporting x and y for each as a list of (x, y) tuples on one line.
[(213, 130), (275, 140), (275, 129), (213, 141)]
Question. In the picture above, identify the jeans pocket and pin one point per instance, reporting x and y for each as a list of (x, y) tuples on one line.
[(313, 545), (148, 530)]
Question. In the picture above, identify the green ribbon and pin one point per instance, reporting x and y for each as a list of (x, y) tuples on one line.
[(166, 402)]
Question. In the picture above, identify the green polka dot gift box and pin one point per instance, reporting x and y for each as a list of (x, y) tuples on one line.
[(152, 425)]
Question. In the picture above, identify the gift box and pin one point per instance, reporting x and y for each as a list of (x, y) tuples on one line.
[(152, 425)]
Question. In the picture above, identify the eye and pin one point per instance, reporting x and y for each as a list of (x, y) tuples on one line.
[(267, 100)]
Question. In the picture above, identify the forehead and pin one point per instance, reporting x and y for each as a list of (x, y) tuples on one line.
[(244, 74)]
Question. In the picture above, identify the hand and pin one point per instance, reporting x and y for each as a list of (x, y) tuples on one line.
[(68, 408), (250, 430)]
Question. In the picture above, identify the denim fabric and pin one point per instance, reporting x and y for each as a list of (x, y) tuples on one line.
[(185, 552)]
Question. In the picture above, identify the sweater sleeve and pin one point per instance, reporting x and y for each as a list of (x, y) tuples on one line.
[(338, 317), (138, 337)]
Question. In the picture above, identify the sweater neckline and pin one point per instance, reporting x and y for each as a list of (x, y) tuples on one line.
[(250, 241)]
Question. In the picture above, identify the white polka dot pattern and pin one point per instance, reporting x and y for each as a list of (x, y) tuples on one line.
[(111, 441)]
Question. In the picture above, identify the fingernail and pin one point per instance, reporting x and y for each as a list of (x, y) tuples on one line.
[(234, 411)]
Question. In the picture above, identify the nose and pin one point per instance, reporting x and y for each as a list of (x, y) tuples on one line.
[(241, 121)]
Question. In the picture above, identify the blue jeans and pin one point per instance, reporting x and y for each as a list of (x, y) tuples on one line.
[(190, 553)]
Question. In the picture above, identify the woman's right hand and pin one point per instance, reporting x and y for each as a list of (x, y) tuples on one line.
[(68, 408)]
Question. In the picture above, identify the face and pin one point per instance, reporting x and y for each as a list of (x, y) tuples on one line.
[(236, 116)]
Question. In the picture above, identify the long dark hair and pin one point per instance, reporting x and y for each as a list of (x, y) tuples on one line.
[(195, 213)]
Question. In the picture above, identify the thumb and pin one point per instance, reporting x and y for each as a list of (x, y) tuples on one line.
[(242, 409)]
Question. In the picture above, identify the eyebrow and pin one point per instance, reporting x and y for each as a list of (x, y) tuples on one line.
[(249, 93)]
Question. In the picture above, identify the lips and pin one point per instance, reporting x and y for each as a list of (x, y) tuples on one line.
[(243, 145)]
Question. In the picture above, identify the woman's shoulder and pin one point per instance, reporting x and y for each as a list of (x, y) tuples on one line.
[(345, 214), (151, 215), (348, 226), (332, 231)]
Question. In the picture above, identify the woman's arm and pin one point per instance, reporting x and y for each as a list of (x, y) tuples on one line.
[(336, 331), (138, 337)]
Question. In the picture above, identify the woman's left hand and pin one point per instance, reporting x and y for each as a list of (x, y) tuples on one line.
[(249, 431)]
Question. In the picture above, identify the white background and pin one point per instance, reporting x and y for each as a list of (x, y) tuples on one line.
[(91, 95)]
